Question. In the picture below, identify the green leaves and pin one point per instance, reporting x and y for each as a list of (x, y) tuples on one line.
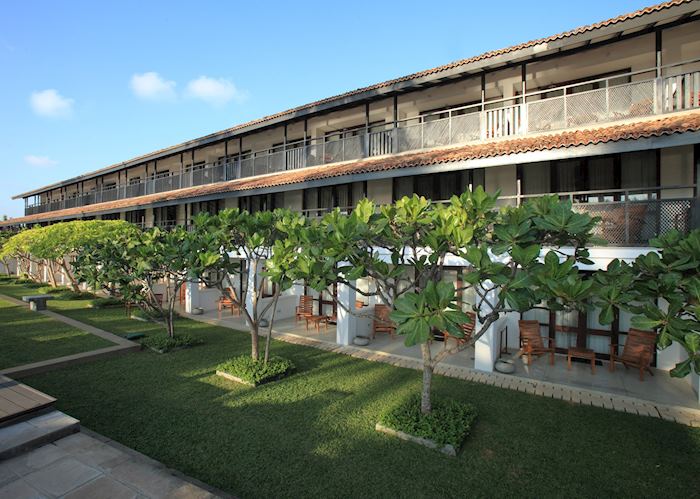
[(433, 308)]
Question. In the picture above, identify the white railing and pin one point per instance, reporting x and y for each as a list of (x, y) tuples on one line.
[(617, 98)]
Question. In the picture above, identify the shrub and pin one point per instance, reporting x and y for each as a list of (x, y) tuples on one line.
[(449, 422), (64, 293), (105, 303), (163, 343), (50, 290), (28, 283), (75, 295), (257, 372)]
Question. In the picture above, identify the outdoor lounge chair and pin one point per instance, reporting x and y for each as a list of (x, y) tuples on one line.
[(532, 342), (467, 329), (638, 352), (381, 322), (227, 301), (305, 308)]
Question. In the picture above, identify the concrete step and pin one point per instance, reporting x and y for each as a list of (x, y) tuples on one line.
[(35, 431)]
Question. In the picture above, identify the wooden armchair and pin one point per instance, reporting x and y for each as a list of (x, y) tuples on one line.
[(532, 342), (467, 329), (638, 352), (382, 323), (226, 301), (305, 308)]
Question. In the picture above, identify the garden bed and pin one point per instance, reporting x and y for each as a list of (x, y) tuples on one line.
[(445, 428), (162, 343), (247, 371)]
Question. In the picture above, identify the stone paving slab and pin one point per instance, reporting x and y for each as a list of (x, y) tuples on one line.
[(88, 465)]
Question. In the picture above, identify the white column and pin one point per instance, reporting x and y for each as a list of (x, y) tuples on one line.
[(347, 323), (192, 296), (251, 286), (486, 347)]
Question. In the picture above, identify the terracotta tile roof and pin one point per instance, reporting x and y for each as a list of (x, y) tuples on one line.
[(655, 127), (439, 69)]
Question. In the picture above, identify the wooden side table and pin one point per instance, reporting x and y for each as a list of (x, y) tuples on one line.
[(317, 320), (581, 353)]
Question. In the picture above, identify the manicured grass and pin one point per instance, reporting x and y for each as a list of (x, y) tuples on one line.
[(27, 337), (312, 434)]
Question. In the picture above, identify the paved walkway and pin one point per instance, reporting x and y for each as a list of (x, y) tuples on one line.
[(87, 465), (122, 345), (577, 395)]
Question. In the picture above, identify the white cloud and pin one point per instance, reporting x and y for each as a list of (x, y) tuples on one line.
[(152, 86), (51, 104), (33, 160), (215, 91)]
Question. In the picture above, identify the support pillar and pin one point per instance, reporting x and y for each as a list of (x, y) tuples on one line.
[(347, 323), (251, 287), (192, 296), (486, 347)]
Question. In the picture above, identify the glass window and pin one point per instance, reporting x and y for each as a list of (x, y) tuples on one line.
[(639, 171), (536, 178)]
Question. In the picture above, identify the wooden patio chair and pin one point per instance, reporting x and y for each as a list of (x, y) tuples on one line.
[(226, 301), (532, 342), (638, 352), (467, 329), (382, 323), (305, 308)]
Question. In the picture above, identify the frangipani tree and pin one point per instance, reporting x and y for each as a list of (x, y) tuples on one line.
[(236, 243), (19, 247), (403, 248), (136, 262), (58, 244), (669, 276), (5, 236)]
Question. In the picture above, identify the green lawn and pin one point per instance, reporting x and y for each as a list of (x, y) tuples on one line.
[(312, 435), (31, 337)]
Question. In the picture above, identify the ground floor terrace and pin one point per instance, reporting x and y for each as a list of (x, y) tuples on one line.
[(622, 384)]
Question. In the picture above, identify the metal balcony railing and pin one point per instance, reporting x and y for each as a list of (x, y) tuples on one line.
[(615, 98), (629, 217)]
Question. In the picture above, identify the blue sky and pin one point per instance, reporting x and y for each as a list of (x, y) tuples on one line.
[(88, 84)]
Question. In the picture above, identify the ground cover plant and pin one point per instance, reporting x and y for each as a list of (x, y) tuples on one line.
[(257, 372), (449, 423)]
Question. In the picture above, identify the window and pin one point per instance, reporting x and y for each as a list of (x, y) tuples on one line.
[(165, 215), (344, 196), (438, 186), (594, 175), (262, 202), (136, 216), (211, 207), (111, 216)]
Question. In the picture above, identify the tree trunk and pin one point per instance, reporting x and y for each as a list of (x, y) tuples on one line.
[(171, 318), (75, 286), (6, 263), (52, 273), (269, 331), (425, 404), (255, 341)]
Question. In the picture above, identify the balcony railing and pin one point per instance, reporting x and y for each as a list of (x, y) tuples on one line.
[(629, 217), (618, 97)]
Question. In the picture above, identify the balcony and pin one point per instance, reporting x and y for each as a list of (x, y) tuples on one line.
[(616, 98), (628, 217)]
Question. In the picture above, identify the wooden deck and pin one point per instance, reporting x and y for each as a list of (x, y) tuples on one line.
[(18, 400)]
